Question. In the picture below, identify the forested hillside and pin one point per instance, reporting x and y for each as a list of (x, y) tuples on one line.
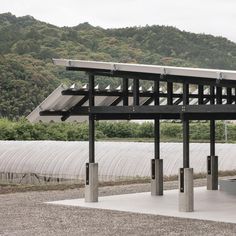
[(27, 45)]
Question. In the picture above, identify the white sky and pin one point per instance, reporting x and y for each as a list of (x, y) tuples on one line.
[(217, 17)]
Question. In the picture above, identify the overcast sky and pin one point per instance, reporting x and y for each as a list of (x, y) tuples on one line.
[(217, 17)]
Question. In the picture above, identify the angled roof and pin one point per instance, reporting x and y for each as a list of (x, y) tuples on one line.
[(71, 103), (149, 69)]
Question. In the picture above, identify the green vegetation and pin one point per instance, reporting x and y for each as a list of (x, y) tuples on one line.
[(23, 130), (27, 45)]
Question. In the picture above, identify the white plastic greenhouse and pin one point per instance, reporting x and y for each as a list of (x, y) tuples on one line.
[(117, 160)]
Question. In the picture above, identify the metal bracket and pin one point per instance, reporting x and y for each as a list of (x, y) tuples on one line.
[(209, 165), (87, 173), (153, 169), (163, 73), (181, 180), (219, 77), (114, 67)]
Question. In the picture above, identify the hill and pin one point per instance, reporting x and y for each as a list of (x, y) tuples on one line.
[(27, 45)]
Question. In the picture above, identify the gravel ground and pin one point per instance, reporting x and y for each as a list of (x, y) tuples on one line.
[(26, 214)]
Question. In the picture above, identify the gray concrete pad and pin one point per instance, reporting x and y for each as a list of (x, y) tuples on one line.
[(209, 205)]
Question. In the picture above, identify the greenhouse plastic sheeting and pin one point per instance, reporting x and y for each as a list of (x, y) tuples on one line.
[(116, 160)]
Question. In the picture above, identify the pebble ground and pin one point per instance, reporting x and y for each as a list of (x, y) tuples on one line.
[(26, 214)]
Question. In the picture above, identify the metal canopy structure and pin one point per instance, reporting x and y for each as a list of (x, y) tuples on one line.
[(190, 94), (216, 89)]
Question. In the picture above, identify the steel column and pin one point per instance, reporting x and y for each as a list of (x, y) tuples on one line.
[(125, 92), (212, 160), (185, 174), (212, 137), (91, 90), (157, 138), (91, 183), (200, 93), (156, 122), (186, 202), (91, 139), (219, 95), (212, 95), (229, 96), (212, 122), (136, 92), (91, 121), (156, 163), (185, 94), (169, 93), (156, 92), (186, 143), (185, 128)]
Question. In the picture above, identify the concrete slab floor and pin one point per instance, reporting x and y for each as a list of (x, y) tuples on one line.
[(208, 205)]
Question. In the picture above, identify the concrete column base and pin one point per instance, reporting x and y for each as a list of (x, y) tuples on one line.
[(156, 177), (212, 173), (186, 198), (91, 184)]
